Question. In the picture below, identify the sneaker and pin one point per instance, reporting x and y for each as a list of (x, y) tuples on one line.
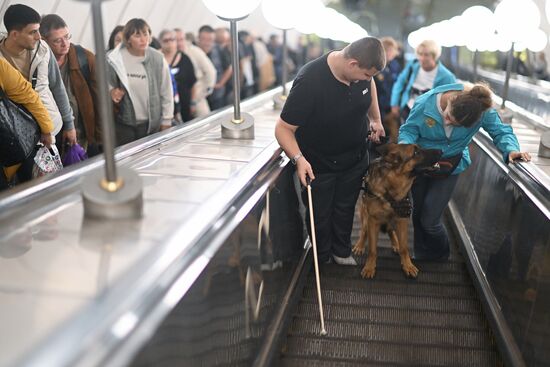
[(344, 260)]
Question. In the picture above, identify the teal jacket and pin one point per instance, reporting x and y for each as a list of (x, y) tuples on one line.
[(425, 127), (405, 81)]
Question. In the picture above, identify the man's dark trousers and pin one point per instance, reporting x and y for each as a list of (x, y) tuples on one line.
[(334, 198)]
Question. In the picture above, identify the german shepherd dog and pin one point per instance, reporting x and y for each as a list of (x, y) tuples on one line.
[(385, 201)]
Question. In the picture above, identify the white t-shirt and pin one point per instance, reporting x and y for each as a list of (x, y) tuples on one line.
[(448, 128), (424, 80), (137, 79)]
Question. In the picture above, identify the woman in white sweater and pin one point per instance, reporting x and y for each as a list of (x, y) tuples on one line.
[(141, 86)]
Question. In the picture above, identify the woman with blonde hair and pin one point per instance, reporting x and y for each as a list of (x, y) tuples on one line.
[(140, 84), (419, 76), (447, 118)]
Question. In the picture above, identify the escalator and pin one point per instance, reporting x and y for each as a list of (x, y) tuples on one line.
[(434, 320), (217, 274)]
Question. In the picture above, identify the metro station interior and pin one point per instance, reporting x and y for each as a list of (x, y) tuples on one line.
[(189, 245)]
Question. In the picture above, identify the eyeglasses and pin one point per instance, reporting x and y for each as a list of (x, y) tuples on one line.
[(168, 40), (59, 40)]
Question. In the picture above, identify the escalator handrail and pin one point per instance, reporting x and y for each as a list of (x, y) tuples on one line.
[(158, 284), (521, 173), (71, 176)]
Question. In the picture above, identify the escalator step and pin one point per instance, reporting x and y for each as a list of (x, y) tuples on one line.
[(365, 353), (396, 316), (392, 263), (402, 287), (365, 299), (394, 274), (312, 362), (400, 334)]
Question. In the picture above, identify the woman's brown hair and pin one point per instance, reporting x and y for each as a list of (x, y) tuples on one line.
[(135, 25), (469, 104)]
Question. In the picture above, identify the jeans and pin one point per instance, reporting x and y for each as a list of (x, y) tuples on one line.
[(334, 196), (430, 197)]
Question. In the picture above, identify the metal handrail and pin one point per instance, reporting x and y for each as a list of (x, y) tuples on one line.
[(158, 282), (68, 177), (521, 173)]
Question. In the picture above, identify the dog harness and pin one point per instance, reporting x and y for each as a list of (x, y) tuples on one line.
[(402, 208)]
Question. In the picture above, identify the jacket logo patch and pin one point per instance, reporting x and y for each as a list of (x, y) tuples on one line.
[(365, 91), (430, 122)]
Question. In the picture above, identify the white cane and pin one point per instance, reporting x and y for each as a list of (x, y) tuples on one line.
[(315, 261)]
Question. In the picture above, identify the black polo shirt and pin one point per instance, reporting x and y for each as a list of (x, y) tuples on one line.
[(331, 117)]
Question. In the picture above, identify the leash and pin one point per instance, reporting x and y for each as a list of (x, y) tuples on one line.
[(315, 260)]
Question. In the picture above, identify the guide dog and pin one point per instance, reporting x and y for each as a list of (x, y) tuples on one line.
[(385, 200)]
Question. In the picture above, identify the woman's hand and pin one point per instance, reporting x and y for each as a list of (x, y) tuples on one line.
[(117, 94), (519, 156)]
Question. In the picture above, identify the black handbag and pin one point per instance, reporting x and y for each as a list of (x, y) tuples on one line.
[(446, 167), (19, 132)]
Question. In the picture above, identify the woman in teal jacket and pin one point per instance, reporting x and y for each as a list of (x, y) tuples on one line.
[(419, 76), (447, 118)]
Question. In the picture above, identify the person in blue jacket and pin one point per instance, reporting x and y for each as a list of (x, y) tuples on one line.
[(447, 118), (418, 77)]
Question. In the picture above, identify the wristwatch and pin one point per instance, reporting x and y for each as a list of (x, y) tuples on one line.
[(294, 159)]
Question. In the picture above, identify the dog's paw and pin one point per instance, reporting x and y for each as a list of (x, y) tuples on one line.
[(410, 270), (395, 249), (358, 250), (368, 271)]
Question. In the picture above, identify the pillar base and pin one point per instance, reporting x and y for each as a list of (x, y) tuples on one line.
[(124, 202), (544, 146), (243, 129)]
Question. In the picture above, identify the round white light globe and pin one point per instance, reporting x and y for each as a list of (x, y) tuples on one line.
[(479, 21), (416, 37), (280, 13), (234, 9), (537, 41), (516, 19)]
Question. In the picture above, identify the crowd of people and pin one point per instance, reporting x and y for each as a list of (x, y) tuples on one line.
[(154, 82)]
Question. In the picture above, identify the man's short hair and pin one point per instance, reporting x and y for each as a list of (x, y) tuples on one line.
[(51, 22), (135, 25), (431, 47), (368, 52), (18, 16), (206, 28)]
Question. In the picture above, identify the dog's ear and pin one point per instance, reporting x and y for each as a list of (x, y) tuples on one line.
[(384, 148), (389, 155)]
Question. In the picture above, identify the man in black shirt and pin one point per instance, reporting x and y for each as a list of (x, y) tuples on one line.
[(323, 129)]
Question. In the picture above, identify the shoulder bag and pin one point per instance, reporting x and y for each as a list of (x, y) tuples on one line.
[(19, 132)]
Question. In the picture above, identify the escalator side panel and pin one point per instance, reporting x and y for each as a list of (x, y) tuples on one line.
[(511, 239), (222, 320)]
